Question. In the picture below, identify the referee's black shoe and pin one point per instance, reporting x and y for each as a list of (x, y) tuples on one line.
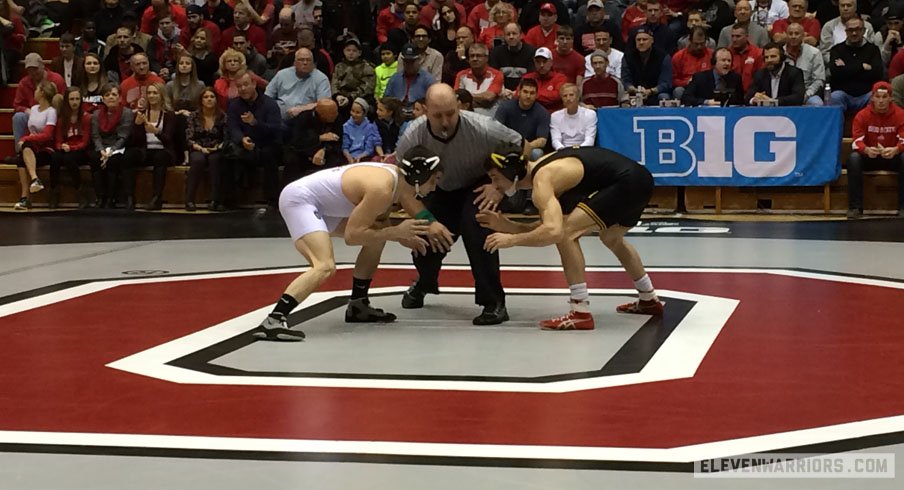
[(414, 297), (492, 315)]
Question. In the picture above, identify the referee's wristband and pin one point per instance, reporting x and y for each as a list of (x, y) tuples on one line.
[(425, 214)]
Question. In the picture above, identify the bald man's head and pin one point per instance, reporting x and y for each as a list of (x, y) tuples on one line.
[(442, 110), (327, 110)]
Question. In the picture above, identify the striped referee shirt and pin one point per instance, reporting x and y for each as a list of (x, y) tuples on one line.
[(464, 152)]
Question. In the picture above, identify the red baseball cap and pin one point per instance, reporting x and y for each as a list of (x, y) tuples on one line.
[(548, 7)]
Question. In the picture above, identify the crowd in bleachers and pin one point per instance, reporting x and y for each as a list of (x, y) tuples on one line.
[(228, 86)]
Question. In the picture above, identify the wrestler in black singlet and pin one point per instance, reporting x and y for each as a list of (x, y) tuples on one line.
[(614, 190)]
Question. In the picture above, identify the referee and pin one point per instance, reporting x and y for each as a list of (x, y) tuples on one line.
[(463, 141)]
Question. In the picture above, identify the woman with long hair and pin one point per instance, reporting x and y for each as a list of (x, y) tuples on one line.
[(73, 133), (36, 147), (444, 28), (500, 15), (155, 135), (111, 125), (206, 137), (232, 64), (184, 90), (94, 81), (206, 62)]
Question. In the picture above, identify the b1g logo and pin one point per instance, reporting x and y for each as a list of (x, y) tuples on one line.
[(783, 146), (761, 146)]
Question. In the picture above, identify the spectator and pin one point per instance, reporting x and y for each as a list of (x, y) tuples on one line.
[(746, 58), (260, 11), (888, 38), (457, 60), (855, 65), (635, 16), (25, 95), (253, 59), (314, 141), (164, 48), (197, 22), (797, 15), (809, 60), (160, 9), (304, 11), (418, 109), (428, 58), (135, 87), (155, 136), (390, 18), (412, 82), (544, 35), (755, 32), (548, 81), (69, 65), (695, 19), (602, 89), (527, 117), (111, 126), (389, 121), (232, 65), (354, 77), (585, 33), (218, 12), (479, 16), (88, 42), (118, 64), (93, 83), (717, 87), (777, 82), (322, 59), (73, 132), (283, 41), (897, 86), (184, 90), (615, 57), (834, 32), (360, 137), (35, 147), (130, 22), (696, 57), (107, 19), (766, 12), (432, 8), (493, 35), (878, 132), (465, 100), (299, 87), (201, 52), (532, 12), (206, 138), (514, 58), (657, 26), (566, 60), (242, 25), (255, 126), (481, 80), (717, 14), (445, 29), (385, 70), (647, 71), (573, 125)]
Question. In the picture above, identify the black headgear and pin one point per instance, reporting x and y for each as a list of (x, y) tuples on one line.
[(509, 160), (418, 165)]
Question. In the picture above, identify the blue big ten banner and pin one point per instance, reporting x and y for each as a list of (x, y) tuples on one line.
[(732, 146)]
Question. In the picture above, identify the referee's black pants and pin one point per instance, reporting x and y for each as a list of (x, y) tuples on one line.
[(457, 212)]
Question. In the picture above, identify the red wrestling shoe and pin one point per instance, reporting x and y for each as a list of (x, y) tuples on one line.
[(574, 320), (642, 307)]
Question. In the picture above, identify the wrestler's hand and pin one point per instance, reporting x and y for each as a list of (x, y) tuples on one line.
[(439, 237), (417, 244), (492, 220), (488, 197), (497, 241), (411, 228)]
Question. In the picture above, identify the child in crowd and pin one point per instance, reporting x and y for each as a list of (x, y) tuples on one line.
[(418, 110), (360, 137), (388, 68), (389, 121)]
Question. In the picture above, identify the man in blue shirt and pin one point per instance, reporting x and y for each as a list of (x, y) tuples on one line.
[(255, 128), (298, 88), (412, 82)]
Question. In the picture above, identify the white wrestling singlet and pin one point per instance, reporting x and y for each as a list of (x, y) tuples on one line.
[(316, 202)]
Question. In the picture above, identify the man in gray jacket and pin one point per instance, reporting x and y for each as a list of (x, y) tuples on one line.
[(756, 33), (833, 31), (809, 60)]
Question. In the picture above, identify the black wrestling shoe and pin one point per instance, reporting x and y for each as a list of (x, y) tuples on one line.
[(414, 297), (275, 328), (492, 315), (360, 311)]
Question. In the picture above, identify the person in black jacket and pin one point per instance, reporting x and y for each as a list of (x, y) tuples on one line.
[(790, 88), (719, 86), (314, 141), (855, 65)]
